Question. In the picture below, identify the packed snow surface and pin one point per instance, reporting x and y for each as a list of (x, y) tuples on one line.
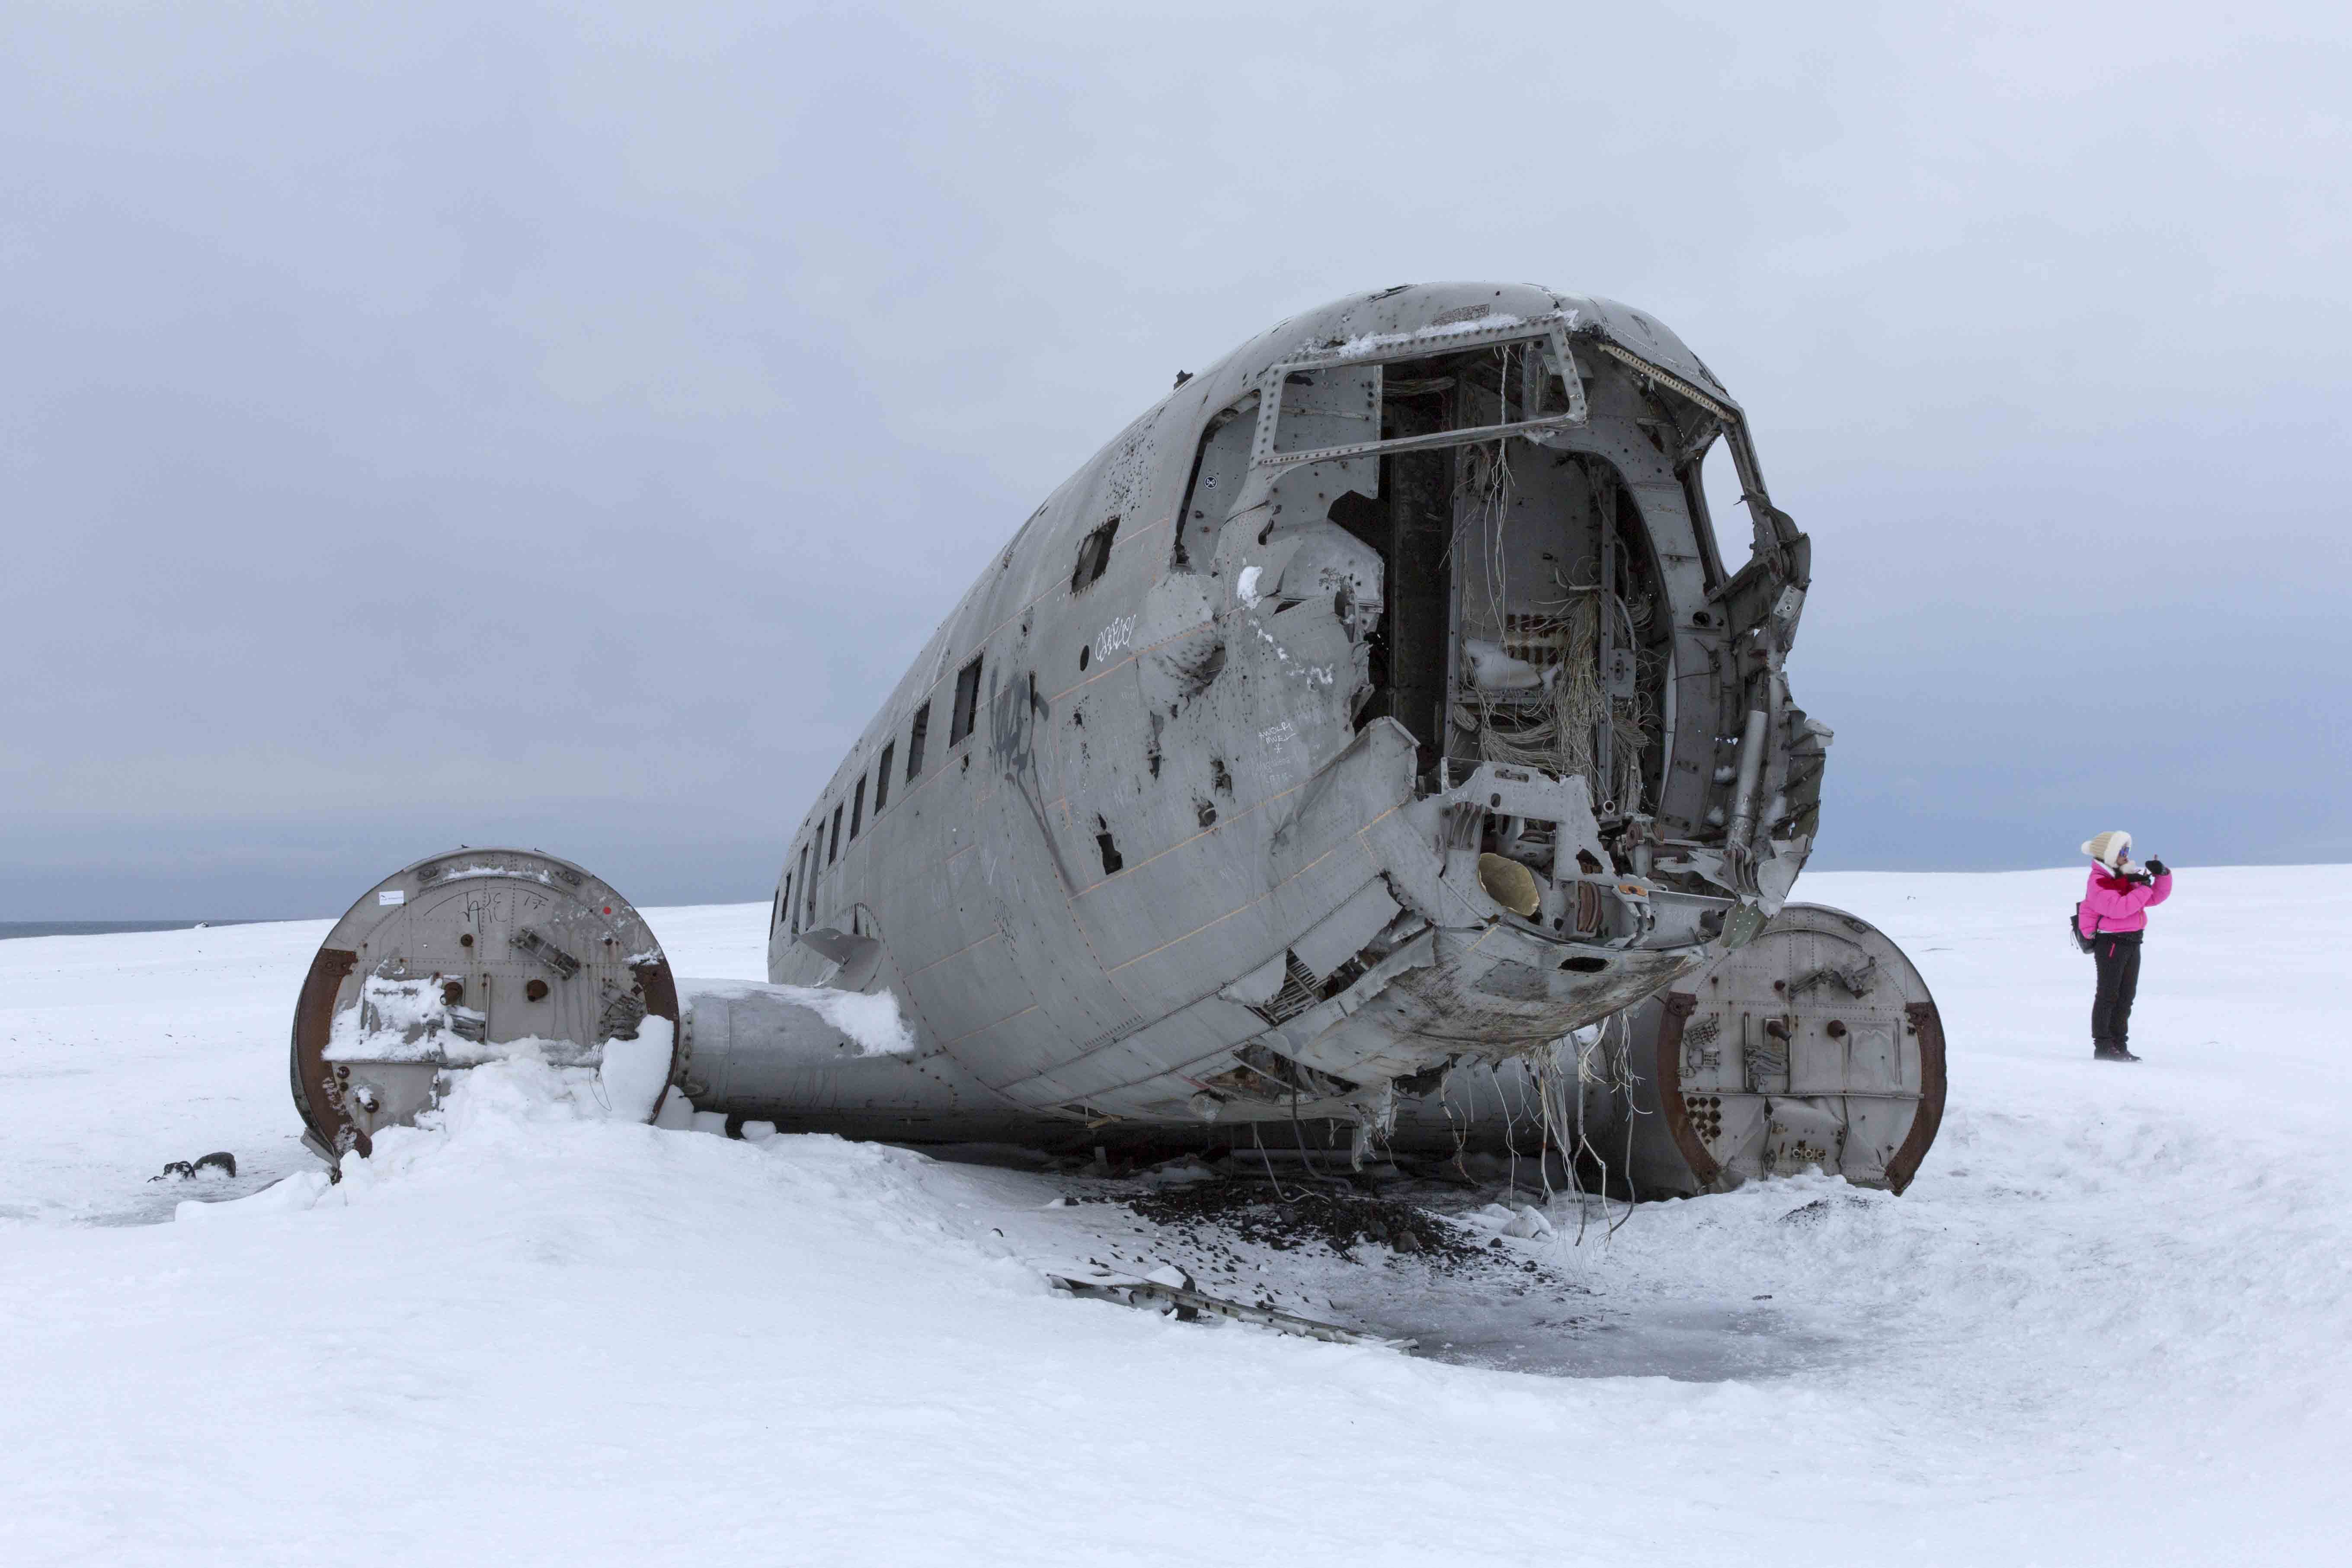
[(2110, 1323)]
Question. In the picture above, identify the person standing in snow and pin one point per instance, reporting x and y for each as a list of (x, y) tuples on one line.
[(2112, 918)]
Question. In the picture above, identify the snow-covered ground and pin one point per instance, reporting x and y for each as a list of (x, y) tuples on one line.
[(2111, 1323)]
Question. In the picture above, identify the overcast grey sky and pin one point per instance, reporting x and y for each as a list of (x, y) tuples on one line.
[(430, 423)]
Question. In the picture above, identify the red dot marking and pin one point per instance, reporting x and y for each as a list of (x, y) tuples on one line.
[(608, 909)]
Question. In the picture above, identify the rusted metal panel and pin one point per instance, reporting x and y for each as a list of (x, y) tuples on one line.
[(314, 1014), (1927, 1029), (1674, 1106)]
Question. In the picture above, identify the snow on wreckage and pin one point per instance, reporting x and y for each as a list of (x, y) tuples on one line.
[(1367, 748)]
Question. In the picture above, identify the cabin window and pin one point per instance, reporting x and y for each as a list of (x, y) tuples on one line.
[(967, 702), (882, 779), (800, 864), (915, 734), (833, 844), (808, 883), (1094, 556), (783, 901), (858, 808)]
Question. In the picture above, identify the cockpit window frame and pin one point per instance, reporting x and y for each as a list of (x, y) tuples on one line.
[(1548, 332)]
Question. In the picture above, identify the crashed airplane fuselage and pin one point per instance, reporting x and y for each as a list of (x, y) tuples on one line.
[(1376, 703), (1376, 706)]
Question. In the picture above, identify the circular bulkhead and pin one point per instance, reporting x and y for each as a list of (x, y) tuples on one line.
[(1815, 1046), (471, 957)]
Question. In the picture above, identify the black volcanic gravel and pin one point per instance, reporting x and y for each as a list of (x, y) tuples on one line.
[(1307, 1217)]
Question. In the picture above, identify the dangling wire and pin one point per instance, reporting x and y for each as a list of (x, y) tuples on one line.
[(1268, 1159), (1598, 1064), (1556, 728)]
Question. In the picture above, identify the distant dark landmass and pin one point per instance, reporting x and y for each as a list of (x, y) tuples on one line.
[(101, 928)]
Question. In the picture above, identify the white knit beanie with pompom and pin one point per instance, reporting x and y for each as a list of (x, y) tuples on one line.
[(2109, 849)]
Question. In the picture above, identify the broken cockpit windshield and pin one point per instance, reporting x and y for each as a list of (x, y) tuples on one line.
[(1509, 379)]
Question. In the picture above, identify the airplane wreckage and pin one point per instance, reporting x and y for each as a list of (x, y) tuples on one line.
[(1367, 748)]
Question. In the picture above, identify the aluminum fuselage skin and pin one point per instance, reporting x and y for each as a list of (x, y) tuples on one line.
[(1183, 871)]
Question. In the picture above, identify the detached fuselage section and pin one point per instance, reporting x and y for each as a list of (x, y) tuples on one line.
[(1378, 704)]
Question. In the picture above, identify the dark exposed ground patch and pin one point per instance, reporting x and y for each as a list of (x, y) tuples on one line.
[(1210, 1216), (1306, 1217), (1820, 1210)]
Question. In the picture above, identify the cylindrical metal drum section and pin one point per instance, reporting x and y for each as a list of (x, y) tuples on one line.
[(1816, 1045), (471, 957), (813, 1058)]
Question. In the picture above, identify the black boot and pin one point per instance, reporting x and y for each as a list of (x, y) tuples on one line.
[(2113, 1051)]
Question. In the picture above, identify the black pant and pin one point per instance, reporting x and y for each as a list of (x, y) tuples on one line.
[(2116, 953)]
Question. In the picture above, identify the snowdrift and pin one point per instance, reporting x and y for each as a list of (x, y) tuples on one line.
[(2107, 1324)]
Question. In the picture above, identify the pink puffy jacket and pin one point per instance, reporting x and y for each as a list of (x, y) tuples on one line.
[(2116, 903)]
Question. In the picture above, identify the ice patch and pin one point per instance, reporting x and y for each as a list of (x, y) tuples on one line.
[(1245, 587)]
